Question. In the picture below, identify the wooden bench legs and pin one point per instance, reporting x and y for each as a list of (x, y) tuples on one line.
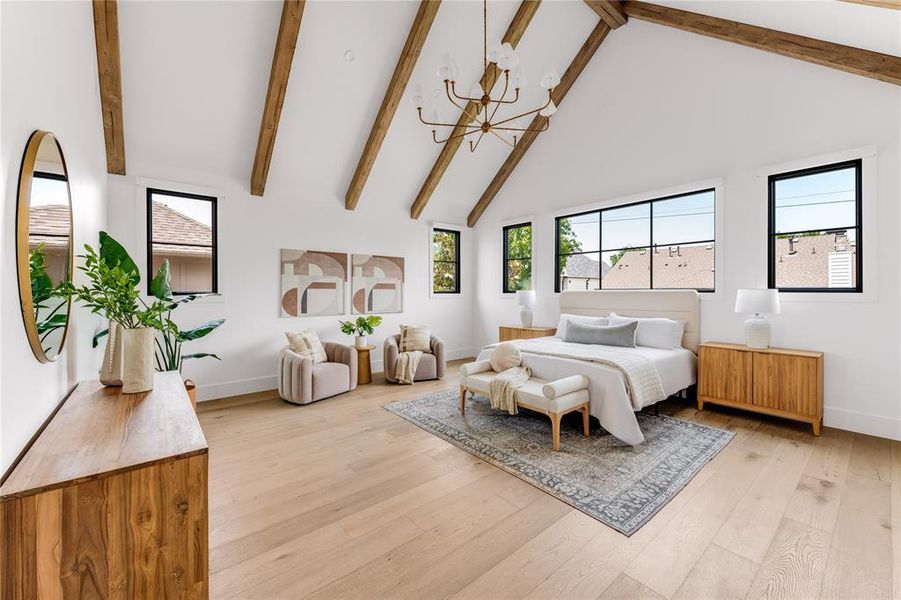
[(555, 424), (462, 400)]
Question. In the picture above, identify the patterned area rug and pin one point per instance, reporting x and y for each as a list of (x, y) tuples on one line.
[(618, 485)]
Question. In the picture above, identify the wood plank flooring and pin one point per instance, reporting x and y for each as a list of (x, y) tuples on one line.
[(342, 499)]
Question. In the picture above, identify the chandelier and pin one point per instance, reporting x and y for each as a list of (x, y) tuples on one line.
[(482, 108)]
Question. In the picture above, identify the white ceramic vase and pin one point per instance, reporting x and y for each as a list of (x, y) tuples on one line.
[(111, 369), (137, 359), (525, 316), (361, 341)]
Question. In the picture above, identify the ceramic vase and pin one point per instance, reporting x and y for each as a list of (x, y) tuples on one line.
[(137, 360), (111, 369), (361, 341)]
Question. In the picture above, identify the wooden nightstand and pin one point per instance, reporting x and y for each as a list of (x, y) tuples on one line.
[(507, 333), (774, 381)]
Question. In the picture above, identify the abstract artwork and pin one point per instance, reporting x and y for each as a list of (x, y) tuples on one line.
[(312, 283), (378, 284)]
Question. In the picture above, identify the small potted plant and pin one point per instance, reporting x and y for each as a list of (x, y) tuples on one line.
[(362, 327)]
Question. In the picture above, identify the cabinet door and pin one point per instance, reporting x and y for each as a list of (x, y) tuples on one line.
[(725, 374), (786, 382)]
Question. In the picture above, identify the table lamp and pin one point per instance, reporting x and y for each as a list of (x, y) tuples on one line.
[(525, 299), (757, 302)]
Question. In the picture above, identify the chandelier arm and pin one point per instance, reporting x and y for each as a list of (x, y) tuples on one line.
[(472, 148), (530, 112), (513, 101), (453, 89), (419, 112), (452, 137), (462, 108), (502, 138), (547, 125)]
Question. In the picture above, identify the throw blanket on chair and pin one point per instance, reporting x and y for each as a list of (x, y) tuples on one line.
[(407, 363), (503, 388)]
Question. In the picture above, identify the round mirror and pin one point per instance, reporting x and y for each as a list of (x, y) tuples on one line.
[(44, 245)]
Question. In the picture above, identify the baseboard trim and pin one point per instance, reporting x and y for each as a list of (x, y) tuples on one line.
[(227, 389), (858, 422)]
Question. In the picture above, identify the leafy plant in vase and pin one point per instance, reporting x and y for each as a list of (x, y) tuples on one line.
[(362, 328), (112, 291)]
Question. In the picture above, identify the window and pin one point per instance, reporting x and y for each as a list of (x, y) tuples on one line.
[(667, 243), (445, 261), (182, 228), (517, 257), (815, 229)]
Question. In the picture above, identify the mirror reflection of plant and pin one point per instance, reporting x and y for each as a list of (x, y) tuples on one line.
[(169, 356), (362, 326), (43, 292)]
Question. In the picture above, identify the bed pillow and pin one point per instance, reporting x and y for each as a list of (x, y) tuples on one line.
[(504, 356), (307, 344), (654, 332), (606, 335), (565, 319), (415, 338)]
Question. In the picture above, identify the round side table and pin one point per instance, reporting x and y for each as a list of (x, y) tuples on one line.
[(364, 367)]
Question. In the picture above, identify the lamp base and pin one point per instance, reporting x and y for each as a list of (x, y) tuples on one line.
[(525, 316), (757, 332)]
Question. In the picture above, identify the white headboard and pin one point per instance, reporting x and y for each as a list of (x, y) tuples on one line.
[(683, 305)]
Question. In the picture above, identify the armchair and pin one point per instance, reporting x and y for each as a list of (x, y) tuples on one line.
[(431, 366), (301, 381)]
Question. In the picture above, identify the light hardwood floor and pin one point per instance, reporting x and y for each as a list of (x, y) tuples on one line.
[(342, 499)]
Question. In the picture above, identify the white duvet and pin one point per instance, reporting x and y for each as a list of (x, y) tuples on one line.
[(610, 401)]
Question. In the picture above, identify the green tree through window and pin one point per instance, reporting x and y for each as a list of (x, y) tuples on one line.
[(517, 257), (445, 261)]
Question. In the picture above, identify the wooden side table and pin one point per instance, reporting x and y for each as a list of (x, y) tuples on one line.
[(364, 366), (507, 332)]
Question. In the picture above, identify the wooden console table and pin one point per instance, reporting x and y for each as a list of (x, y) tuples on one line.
[(110, 500)]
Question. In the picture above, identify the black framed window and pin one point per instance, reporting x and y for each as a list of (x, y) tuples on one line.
[(815, 229), (664, 243), (445, 261), (517, 257), (182, 228)]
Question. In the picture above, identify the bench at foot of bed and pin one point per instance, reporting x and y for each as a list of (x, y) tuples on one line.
[(552, 398)]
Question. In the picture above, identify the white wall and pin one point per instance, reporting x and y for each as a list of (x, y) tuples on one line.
[(49, 81), (252, 230), (658, 109)]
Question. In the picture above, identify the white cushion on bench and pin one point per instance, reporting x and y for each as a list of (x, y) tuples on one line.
[(531, 394)]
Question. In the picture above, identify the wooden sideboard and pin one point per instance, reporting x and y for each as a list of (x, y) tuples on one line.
[(110, 501), (507, 333), (773, 381)]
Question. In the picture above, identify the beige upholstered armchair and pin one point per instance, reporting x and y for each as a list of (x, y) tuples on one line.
[(302, 381), (431, 366)]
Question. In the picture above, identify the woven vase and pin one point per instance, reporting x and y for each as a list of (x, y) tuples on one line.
[(111, 369)]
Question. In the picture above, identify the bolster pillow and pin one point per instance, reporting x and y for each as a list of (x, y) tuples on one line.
[(564, 386)]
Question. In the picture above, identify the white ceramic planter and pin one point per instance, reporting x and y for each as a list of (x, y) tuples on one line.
[(361, 341), (137, 360)]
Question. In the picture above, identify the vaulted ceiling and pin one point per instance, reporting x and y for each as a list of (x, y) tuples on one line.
[(195, 75)]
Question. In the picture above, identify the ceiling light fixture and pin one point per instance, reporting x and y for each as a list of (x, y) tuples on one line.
[(483, 121)]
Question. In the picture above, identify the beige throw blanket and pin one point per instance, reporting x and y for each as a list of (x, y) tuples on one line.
[(407, 363), (503, 388)]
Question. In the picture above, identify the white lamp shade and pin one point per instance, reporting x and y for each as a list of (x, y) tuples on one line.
[(757, 301), (525, 297)]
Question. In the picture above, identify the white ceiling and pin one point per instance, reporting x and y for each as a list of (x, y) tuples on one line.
[(195, 77)]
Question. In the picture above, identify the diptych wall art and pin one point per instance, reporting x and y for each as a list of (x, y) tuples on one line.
[(312, 283), (377, 284)]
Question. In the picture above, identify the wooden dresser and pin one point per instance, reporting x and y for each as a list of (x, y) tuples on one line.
[(775, 381), (110, 501), (506, 333)]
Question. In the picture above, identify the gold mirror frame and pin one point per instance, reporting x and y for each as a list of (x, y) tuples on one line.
[(23, 206)]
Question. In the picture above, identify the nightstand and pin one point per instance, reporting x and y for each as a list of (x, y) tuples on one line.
[(507, 333), (773, 381)]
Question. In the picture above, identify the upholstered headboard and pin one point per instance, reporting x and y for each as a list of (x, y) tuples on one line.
[(682, 305)]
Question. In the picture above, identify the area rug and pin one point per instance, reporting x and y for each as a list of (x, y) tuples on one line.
[(620, 486)]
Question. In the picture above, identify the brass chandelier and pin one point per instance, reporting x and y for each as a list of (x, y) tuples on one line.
[(482, 120)]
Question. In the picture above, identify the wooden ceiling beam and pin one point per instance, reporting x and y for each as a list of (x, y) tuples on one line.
[(515, 31), (609, 10), (884, 67), (419, 31), (578, 64), (109, 71), (288, 30)]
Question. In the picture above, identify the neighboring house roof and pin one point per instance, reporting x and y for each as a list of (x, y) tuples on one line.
[(804, 261), (49, 225), (582, 266), (179, 233)]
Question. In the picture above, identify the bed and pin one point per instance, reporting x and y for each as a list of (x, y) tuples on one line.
[(551, 358)]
